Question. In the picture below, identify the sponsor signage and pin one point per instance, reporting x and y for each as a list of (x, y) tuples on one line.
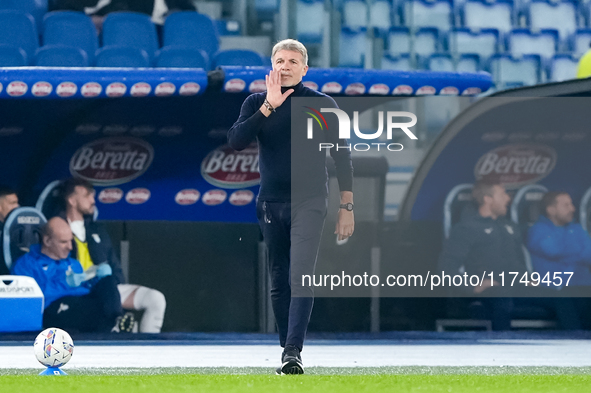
[(228, 168), (516, 165), (112, 161)]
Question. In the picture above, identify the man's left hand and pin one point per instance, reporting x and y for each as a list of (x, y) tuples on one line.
[(345, 224)]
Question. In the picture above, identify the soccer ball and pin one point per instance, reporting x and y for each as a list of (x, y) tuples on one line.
[(53, 347)]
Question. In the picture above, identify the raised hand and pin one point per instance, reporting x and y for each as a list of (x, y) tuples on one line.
[(274, 95)]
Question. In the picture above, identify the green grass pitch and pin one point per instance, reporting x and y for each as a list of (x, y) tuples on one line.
[(322, 380)]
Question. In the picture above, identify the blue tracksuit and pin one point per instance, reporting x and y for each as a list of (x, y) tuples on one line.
[(560, 249), (49, 274)]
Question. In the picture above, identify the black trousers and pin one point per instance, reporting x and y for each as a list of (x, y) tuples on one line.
[(292, 233), (95, 312)]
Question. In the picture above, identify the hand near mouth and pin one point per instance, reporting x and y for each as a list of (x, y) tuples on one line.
[(274, 95)]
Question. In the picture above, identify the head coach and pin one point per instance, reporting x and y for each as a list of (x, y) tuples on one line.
[(291, 227)]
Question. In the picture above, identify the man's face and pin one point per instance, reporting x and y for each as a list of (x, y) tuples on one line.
[(499, 201), (291, 65), (59, 243), (83, 200), (562, 211), (7, 204)]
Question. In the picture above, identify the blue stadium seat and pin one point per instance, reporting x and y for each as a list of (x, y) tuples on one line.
[(458, 201), (37, 8), (424, 42), (72, 29), (182, 57), (12, 56), (399, 63), (560, 15), (19, 233), (18, 29), (562, 68), (61, 56), (237, 57), (526, 206), (191, 29), (355, 14), (446, 62), (440, 62), (130, 29), (513, 72), (585, 210), (484, 43), (122, 56), (398, 40), (479, 14), (266, 9), (581, 42), (380, 16), (468, 63), (525, 42), (421, 13), (310, 20), (352, 47)]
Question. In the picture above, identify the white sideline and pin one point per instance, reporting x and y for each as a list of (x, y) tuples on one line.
[(558, 353)]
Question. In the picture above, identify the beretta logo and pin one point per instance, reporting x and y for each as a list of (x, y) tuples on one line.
[(241, 197), (116, 89), (140, 89), (355, 89), (137, 196), (225, 167), (110, 195), (165, 89), (189, 89), (257, 86), (235, 85), (311, 85), (112, 161), (516, 165), (42, 89), (91, 89), (66, 89), (214, 197), (16, 88), (187, 197)]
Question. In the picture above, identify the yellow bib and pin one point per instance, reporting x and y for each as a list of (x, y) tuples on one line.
[(83, 255)]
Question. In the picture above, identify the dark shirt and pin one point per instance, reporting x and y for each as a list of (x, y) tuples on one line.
[(482, 244), (274, 136)]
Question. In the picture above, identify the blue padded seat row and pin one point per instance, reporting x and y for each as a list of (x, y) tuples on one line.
[(122, 56), (266, 9), (36, 8), (176, 56), (191, 29), (61, 56), (74, 29), (18, 29), (12, 56), (131, 29)]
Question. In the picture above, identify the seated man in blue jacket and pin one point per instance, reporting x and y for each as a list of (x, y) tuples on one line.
[(73, 300), (557, 244)]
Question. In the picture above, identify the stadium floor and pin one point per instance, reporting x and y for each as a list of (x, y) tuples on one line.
[(411, 349)]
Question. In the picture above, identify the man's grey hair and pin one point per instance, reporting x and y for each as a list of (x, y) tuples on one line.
[(293, 45)]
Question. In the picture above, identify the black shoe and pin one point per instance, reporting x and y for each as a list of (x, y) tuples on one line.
[(124, 323), (291, 362)]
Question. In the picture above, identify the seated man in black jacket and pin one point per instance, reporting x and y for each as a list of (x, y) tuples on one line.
[(486, 241), (92, 246)]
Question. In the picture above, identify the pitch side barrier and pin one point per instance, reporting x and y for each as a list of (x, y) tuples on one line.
[(174, 195)]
